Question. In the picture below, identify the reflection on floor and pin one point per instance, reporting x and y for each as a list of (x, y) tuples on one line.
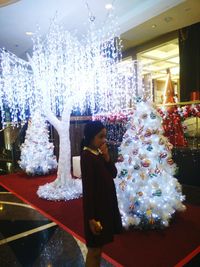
[(28, 239)]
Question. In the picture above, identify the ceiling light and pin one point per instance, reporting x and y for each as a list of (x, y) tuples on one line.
[(108, 6), (153, 26), (29, 33)]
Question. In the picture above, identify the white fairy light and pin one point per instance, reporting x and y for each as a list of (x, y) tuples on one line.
[(37, 152), (149, 189), (65, 74)]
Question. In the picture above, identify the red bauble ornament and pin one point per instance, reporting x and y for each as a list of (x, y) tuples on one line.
[(146, 163), (163, 155), (170, 161)]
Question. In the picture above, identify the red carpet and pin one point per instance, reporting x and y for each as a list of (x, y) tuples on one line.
[(163, 248)]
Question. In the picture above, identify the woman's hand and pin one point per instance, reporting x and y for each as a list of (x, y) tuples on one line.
[(95, 227), (104, 150)]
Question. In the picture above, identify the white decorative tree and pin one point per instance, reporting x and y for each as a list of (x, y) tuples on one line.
[(148, 194), (63, 74), (37, 156)]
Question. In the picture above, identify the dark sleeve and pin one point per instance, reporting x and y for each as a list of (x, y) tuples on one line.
[(87, 170), (111, 167)]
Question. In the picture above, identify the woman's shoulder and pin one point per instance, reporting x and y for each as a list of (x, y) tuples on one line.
[(88, 155)]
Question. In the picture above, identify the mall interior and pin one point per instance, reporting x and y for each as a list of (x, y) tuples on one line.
[(138, 72)]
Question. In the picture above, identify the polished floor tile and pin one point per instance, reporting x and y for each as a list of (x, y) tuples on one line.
[(28, 239)]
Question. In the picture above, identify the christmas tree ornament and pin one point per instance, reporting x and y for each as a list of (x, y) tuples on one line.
[(135, 138), (140, 130), (137, 203), (169, 146), (126, 136), (161, 141), (127, 142), (140, 193), (157, 170), (156, 131), (123, 185), (147, 142), (163, 155), (148, 133), (138, 99), (149, 212), (142, 156), (129, 177), (152, 115), (157, 193), (151, 220), (142, 137), (143, 175), (137, 167), (149, 148), (170, 161), (152, 175), (135, 151), (123, 172), (146, 163), (120, 158), (144, 116), (133, 127)]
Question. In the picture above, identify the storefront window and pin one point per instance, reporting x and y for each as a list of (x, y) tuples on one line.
[(156, 63)]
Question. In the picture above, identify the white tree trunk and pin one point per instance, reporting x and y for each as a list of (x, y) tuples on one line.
[(64, 186), (64, 163)]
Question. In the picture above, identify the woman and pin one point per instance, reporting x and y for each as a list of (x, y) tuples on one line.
[(101, 214)]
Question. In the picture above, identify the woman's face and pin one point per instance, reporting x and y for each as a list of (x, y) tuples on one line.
[(99, 139)]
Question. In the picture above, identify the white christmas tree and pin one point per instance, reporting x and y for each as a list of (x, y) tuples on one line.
[(37, 156), (148, 193)]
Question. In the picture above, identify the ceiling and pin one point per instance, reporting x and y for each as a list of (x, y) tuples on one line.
[(135, 18), (181, 15)]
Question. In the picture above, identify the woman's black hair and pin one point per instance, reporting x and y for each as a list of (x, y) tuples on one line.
[(91, 129)]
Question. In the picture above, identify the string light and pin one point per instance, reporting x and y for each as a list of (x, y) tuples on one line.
[(66, 74), (147, 192)]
